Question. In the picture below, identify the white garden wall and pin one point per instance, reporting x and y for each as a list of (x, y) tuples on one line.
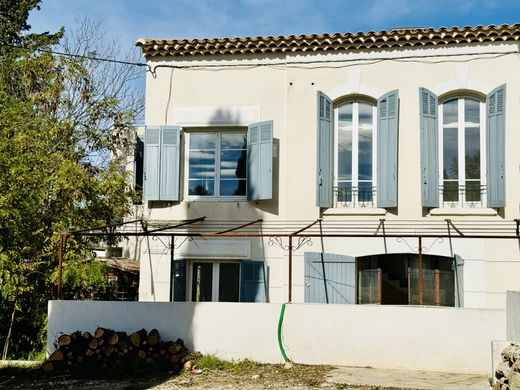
[(405, 337)]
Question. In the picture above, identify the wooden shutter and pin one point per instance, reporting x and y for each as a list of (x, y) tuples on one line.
[(138, 167), (151, 163), (179, 280), (330, 278), (387, 136), (428, 105), (458, 277), (260, 161), (325, 169), (252, 281), (169, 171), (495, 147)]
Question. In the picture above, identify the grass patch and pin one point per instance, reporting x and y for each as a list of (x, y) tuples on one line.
[(211, 362)]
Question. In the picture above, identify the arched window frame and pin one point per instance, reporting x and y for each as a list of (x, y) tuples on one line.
[(356, 199), (462, 199)]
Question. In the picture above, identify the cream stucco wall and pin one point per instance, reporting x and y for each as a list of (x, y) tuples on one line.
[(218, 91)]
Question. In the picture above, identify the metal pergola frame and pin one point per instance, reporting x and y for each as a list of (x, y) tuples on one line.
[(303, 231)]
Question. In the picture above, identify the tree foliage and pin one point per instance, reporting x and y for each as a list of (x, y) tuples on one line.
[(65, 136)]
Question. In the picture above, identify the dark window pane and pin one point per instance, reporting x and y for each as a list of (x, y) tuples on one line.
[(202, 282), (450, 153), (365, 191), (229, 279), (201, 187), (344, 192), (472, 158), (451, 191), (473, 191), (232, 187)]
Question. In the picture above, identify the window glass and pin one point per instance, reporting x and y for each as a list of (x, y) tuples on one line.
[(229, 282), (461, 157), (355, 156), (365, 116), (450, 110), (217, 164)]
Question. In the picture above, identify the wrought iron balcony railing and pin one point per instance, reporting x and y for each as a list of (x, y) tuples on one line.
[(355, 197), (453, 195)]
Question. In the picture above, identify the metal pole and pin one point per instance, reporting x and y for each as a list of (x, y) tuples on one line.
[(60, 262), (290, 269), (172, 268), (420, 272)]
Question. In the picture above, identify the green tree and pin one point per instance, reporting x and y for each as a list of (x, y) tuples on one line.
[(65, 136)]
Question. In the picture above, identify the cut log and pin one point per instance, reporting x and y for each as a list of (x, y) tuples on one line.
[(141, 354), (93, 344), (48, 367), (113, 339), (57, 355), (138, 338), (64, 340), (153, 337), (99, 333)]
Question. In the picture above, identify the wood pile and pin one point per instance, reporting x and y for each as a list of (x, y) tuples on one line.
[(107, 348)]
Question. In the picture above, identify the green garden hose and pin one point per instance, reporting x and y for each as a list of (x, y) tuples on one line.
[(280, 324)]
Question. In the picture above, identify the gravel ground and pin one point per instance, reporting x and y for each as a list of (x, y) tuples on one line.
[(261, 376)]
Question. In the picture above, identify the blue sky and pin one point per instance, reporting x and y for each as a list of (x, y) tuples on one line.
[(129, 20), (133, 19)]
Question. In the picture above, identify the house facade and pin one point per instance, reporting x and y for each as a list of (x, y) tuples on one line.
[(400, 148)]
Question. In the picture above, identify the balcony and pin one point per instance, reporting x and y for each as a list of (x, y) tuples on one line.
[(346, 196), (472, 195)]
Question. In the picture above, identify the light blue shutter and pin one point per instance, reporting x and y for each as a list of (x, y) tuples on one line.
[(387, 135), (151, 163), (260, 161), (458, 277), (429, 149), (330, 278), (495, 147), (169, 171), (252, 281), (325, 174)]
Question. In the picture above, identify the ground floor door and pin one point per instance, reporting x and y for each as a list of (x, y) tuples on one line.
[(218, 281)]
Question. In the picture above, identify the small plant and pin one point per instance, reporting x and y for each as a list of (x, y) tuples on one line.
[(211, 362)]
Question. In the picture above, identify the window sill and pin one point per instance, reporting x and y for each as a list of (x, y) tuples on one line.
[(191, 199), (355, 211), (463, 211)]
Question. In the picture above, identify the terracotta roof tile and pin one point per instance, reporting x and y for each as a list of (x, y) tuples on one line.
[(406, 37)]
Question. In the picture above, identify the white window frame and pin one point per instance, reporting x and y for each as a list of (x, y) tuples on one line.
[(219, 197), (215, 277), (355, 154), (461, 144)]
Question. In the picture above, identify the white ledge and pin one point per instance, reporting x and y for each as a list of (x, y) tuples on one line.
[(463, 211), (355, 211)]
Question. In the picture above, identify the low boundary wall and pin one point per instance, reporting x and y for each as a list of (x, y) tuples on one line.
[(400, 337)]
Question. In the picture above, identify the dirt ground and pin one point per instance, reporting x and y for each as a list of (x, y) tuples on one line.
[(261, 376)]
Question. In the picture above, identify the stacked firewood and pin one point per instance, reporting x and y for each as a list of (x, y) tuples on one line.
[(107, 348)]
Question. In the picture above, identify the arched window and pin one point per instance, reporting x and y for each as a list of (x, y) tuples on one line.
[(355, 153), (462, 152)]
